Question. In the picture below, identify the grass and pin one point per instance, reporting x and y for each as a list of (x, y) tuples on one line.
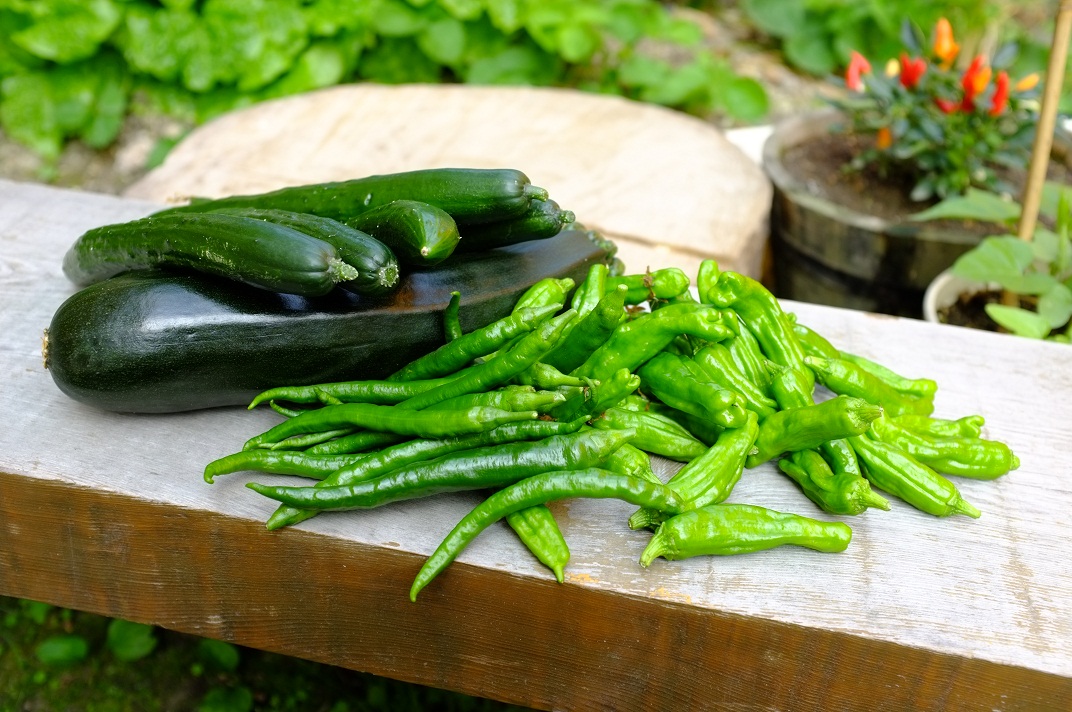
[(56, 659)]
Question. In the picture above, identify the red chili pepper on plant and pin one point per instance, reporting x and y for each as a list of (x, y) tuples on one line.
[(858, 66), (974, 82), (912, 70), (1001, 94)]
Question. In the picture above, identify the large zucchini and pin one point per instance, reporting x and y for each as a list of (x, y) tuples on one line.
[(158, 342)]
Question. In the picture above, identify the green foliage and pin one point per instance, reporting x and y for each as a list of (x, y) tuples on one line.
[(60, 650), (1039, 271), (73, 68), (130, 641)]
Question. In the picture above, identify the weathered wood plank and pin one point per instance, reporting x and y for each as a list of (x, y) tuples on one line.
[(108, 513)]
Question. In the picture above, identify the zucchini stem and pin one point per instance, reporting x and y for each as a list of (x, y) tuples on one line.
[(342, 272)]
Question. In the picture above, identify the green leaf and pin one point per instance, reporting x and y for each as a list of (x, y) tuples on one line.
[(975, 204), (1055, 306), (68, 30), (28, 113), (397, 19), (745, 99), (1019, 321), (811, 52), (35, 610), (523, 64), (60, 650), (577, 43), (995, 259), (640, 71), (218, 654), (1031, 283), (322, 64), (505, 14), (226, 699), (775, 17), (130, 641), (443, 40), (681, 86), (463, 9), (398, 61), (682, 32), (110, 104)]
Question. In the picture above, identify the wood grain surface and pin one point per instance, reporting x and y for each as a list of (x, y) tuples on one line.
[(669, 188), (108, 513)]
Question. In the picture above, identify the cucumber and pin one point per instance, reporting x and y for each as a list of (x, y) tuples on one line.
[(470, 195), (376, 264), (542, 220), (420, 234), (153, 341), (258, 253)]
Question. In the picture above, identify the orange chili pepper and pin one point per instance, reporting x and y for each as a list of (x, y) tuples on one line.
[(945, 47), (1028, 83), (884, 139)]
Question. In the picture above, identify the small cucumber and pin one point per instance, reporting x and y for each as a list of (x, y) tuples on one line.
[(376, 265), (469, 195), (419, 233), (262, 254), (543, 219)]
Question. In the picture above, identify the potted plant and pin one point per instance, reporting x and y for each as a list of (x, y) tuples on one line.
[(905, 135), (1005, 283)]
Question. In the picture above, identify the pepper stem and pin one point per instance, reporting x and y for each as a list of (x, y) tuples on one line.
[(655, 548), (872, 499), (961, 506)]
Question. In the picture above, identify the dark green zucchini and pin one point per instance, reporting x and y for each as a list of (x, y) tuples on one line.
[(162, 342), (262, 254), (420, 234), (542, 220), (376, 264), (470, 195)]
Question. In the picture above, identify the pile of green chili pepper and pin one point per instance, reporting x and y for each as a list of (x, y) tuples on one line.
[(570, 394)]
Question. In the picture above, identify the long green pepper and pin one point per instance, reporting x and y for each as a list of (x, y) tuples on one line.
[(540, 489), (835, 493)]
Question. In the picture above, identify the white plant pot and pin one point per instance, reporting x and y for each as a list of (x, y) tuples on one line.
[(944, 290)]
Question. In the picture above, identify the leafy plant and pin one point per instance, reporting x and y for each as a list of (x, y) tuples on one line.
[(1037, 272), (76, 68), (945, 130)]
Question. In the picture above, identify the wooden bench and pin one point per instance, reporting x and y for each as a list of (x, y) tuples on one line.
[(108, 513)]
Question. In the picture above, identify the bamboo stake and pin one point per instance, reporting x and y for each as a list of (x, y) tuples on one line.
[(1040, 155)]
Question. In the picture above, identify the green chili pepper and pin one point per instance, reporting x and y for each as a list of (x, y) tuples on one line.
[(550, 291), (498, 370), (594, 401), (892, 470), (710, 478), (452, 325), (407, 453), (808, 427), (749, 358), (356, 442), (967, 457), (539, 489), (702, 429), (837, 494), (538, 531), (841, 458), (706, 278), (812, 342), (917, 387), (660, 284), (969, 426), (377, 392), (285, 412), (547, 377), (303, 442), (494, 466), (764, 317), (589, 292), (634, 342), (590, 333), (655, 433), (391, 419), (518, 398), (717, 363), (281, 462), (789, 386), (452, 356), (631, 460), (847, 379), (726, 529), (681, 383)]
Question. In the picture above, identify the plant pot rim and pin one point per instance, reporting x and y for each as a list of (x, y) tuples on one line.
[(944, 290)]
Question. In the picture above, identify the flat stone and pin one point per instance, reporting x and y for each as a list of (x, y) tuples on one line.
[(670, 189)]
